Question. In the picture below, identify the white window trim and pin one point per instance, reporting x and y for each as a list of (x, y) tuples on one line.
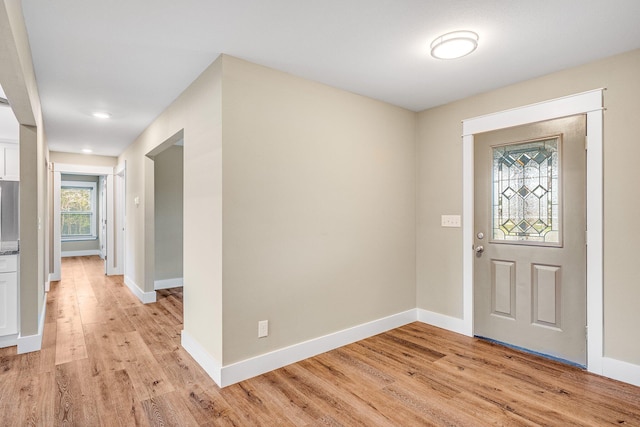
[(83, 184)]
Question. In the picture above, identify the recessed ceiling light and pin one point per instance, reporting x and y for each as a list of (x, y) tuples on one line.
[(454, 45), (101, 115), (87, 150)]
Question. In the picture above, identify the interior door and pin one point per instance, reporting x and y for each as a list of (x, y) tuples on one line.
[(530, 242)]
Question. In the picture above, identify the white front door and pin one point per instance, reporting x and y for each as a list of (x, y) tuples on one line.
[(530, 224)]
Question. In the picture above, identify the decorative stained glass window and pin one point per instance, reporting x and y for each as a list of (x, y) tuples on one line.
[(526, 192)]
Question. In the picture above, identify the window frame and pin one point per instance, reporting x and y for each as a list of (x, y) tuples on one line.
[(94, 229)]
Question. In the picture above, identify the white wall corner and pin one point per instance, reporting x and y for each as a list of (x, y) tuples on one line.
[(621, 371), (267, 362), (145, 297), (210, 365), (443, 321), (29, 343), (168, 283)]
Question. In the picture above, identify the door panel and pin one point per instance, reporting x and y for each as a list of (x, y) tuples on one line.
[(530, 276), (503, 288), (547, 294)]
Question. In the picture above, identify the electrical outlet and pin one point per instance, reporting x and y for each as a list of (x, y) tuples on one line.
[(450, 221), (263, 328)]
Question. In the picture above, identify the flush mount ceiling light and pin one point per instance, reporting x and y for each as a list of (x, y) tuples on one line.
[(87, 150), (454, 45), (101, 115)]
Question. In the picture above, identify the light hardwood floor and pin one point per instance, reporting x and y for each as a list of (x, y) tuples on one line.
[(109, 360)]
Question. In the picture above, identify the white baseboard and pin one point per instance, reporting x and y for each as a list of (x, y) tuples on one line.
[(239, 371), (245, 369), (8, 340), (168, 283), (267, 362), (87, 252), (54, 277), (145, 297), (443, 321), (621, 371), (29, 343), (210, 365)]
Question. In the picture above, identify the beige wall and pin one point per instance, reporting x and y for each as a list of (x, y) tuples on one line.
[(197, 112), (18, 81), (79, 245), (439, 155), (318, 208), (30, 285), (168, 173), (82, 159), (319, 214)]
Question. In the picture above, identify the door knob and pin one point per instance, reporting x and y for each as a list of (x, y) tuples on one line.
[(479, 249)]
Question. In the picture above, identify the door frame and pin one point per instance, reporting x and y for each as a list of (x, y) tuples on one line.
[(120, 207), (591, 104), (58, 170)]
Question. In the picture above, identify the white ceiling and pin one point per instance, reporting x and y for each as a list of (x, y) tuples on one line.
[(134, 57)]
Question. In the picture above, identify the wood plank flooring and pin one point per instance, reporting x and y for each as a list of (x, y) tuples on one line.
[(108, 360)]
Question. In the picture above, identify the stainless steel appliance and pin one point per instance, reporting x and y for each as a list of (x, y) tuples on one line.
[(9, 219)]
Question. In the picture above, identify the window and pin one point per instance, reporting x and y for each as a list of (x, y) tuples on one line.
[(526, 180), (78, 210)]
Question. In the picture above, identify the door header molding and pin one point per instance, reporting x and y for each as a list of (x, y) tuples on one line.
[(580, 103)]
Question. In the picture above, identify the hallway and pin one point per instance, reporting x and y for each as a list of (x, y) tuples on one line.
[(109, 360)]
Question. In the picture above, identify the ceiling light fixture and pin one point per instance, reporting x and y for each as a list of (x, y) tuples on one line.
[(101, 115), (87, 150), (454, 45)]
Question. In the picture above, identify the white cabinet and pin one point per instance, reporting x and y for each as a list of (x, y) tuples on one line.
[(8, 295), (9, 162)]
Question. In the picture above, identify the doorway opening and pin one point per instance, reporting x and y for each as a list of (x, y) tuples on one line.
[(590, 104), (83, 215), (164, 233), (530, 248), (85, 225)]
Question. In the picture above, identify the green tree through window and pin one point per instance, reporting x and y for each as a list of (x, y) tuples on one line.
[(77, 210)]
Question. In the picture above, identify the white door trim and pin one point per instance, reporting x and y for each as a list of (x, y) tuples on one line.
[(57, 244), (119, 203), (60, 168), (589, 103)]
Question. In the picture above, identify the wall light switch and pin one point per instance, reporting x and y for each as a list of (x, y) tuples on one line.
[(451, 221), (263, 328)]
